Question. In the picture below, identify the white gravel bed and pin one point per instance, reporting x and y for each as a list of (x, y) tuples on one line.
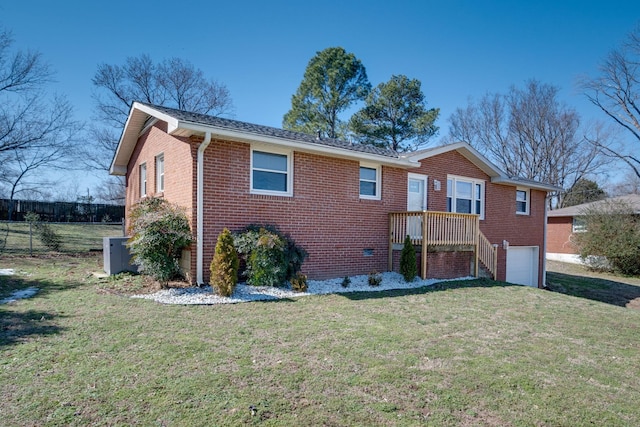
[(246, 293)]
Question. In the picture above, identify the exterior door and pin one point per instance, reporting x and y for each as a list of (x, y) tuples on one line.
[(416, 202)]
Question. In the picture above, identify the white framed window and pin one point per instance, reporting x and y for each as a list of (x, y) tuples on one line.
[(143, 179), (579, 225), (465, 195), (160, 173), (370, 179), (271, 172), (522, 201)]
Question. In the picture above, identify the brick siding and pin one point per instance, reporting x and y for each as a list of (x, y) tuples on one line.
[(559, 235), (325, 215)]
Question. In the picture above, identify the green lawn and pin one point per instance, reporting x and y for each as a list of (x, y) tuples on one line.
[(15, 237), (462, 354)]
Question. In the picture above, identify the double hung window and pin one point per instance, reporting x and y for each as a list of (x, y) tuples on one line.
[(369, 182), (271, 172), (465, 195)]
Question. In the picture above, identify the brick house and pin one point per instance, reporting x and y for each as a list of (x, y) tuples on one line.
[(563, 224), (349, 205)]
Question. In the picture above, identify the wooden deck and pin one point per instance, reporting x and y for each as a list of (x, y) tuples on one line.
[(443, 229)]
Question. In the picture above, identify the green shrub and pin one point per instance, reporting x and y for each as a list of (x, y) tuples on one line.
[(224, 266), (159, 232), (374, 279), (271, 258), (299, 283), (266, 265), (47, 236), (408, 267), (346, 282), (612, 233)]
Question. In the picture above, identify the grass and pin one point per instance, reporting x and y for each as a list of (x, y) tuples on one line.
[(15, 237), (458, 354)]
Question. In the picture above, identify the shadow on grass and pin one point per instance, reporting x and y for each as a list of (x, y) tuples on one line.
[(593, 288), (17, 326), (442, 286), (18, 323)]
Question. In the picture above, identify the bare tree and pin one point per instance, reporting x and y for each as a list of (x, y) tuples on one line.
[(173, 83), (37, 131), (616, 92), (630, 184), (111, 191), (529, 134)]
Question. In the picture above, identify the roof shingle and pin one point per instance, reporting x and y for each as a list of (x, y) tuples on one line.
[(235, 125)]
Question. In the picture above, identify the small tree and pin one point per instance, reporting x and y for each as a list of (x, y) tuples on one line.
[(408, 267), (47, 236), (224, 266), (159, 231), (612, 232)]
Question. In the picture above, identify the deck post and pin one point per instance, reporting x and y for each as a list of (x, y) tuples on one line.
[(390, 242), (476, 267), (423, 273)]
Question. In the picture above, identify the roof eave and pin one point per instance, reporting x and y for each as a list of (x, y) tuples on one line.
[(466, 151), (138, 115), (253, 138), (527, 184)]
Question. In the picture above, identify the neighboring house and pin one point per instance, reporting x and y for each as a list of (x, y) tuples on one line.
[(563, 224), (349, 205)]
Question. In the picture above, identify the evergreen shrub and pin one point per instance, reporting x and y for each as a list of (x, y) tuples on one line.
[(271, 258), (159, 232), (408, 267), (224, 266)]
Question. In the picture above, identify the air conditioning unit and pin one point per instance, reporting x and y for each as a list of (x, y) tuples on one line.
[(116, 255)]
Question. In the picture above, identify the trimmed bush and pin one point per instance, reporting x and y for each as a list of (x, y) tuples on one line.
[(346, 282), (266, 265), (299, 283), (271, 258), (159, 232), (374, 279), (408, 267), (224, 266)]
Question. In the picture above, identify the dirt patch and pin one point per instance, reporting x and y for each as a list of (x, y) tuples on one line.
[(128, 284)]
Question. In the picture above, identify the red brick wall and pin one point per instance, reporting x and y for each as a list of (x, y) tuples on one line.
[(178, 164), (449, 265), (501, 221), (325, 215), (559, 233), (441, 265)]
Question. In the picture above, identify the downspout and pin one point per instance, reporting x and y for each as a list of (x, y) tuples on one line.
[(200, 208), (547, 199)]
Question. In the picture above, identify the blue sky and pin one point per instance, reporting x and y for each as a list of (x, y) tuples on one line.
[(260, 49)]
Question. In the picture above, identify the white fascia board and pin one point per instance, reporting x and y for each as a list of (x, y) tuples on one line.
[(172, 122), (118, 170), (463, 148), (525, 184), (300, 146), (130, 136)]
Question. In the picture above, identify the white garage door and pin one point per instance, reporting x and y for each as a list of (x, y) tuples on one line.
[(522, 265)]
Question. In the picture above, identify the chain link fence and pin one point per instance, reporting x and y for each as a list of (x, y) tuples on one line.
[(24, 238)]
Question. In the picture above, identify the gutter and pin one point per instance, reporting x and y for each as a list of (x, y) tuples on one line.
[(200, 208)]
